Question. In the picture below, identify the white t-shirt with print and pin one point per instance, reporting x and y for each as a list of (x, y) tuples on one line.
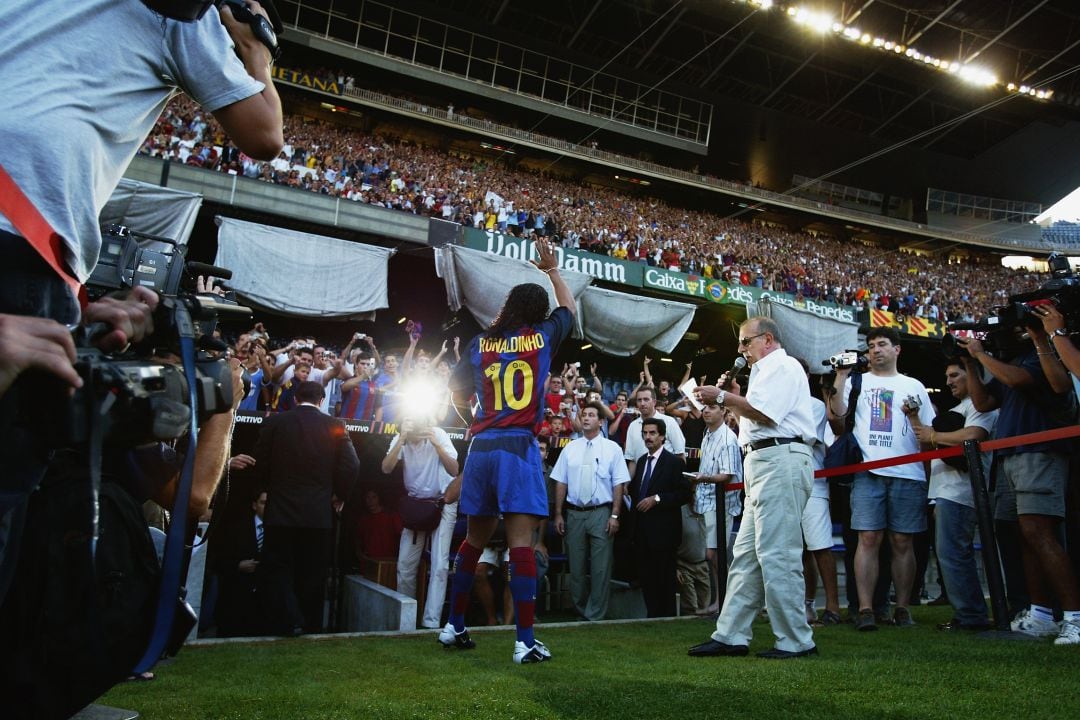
[(881, 428)]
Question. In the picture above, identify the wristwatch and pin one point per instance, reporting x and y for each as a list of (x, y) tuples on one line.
[(656, 498), (1060, 332), (720, 397), (614, 516)]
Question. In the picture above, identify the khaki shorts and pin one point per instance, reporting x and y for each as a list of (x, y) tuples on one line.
[(1030, 484)]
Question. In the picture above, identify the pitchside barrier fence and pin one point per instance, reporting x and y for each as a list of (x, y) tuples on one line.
[(983, 514), (366, 434)]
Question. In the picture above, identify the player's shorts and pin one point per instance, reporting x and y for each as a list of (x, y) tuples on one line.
[(503, 474)]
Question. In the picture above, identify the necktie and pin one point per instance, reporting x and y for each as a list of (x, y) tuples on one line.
[(259, 537), (646, 477), (586, 477)]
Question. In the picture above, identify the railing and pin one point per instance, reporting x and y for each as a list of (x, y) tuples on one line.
[(394, 32)]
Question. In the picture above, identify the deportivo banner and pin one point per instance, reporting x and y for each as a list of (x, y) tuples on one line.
[(637, 274), (304, 79)]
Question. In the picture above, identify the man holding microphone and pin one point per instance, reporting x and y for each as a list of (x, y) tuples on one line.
[(775, 430)]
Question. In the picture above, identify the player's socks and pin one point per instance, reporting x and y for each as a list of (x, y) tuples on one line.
[(523, 590), (461, 585)]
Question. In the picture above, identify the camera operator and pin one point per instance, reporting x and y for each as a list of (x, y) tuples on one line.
[(83, 84), (891, 498), (1030, 479), (68, 137), (1053, 323)]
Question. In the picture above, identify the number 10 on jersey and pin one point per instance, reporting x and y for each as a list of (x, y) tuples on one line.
[(503, 381)]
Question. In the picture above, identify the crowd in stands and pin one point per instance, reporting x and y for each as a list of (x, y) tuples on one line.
[(399, 174)]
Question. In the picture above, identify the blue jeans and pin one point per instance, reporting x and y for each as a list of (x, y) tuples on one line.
[(955, 530)]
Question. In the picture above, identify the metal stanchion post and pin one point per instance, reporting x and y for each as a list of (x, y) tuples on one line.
[(985, 519)]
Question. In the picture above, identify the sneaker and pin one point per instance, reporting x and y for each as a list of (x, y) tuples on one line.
[(451, 639), (865, 621), (830, 618), (1028, 624), (538, 653), (1070, 633), (901, 617)]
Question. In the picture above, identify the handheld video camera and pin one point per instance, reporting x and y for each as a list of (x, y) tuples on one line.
[(141, 399), (848, 360)]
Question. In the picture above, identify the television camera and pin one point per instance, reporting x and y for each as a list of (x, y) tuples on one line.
[(1002, 332), (142, 397)]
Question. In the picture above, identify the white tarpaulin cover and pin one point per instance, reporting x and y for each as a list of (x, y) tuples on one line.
[(479, 281), (615, 322), (152, 210), (621, 324), (809, 336), (298, 273)]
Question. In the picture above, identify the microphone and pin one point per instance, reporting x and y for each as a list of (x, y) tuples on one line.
[(736, 368), (198, 268)]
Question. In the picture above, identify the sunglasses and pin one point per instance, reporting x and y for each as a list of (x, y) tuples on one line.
[(745, 342)]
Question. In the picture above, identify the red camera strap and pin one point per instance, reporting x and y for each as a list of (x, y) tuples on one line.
[(36, 229)]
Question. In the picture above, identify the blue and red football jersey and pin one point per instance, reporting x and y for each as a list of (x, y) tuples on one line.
[(508, 372), (362, 401)]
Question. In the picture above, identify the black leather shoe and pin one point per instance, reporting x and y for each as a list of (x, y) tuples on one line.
[(712, 648), (777, 654)]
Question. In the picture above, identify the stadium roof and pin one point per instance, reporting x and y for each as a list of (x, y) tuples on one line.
[(738, 49)]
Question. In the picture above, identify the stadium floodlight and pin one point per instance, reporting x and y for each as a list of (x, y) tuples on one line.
[(813, 19), (977, 75), (822, 21)]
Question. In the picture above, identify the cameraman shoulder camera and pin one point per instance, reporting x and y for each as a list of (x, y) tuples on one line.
[(59, 163)]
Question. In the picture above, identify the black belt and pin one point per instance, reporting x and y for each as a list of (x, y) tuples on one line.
[(582, 508), (768, 443)]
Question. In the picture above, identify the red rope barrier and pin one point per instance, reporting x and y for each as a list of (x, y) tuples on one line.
[(985, 446)]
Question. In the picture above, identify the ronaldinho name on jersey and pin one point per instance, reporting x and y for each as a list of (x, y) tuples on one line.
[(514, 344)]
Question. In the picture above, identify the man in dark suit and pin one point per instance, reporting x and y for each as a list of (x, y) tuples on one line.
[(303, 458), (658, 491), (239, 553)]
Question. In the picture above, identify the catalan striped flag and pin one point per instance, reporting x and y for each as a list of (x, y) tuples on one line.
[(882, 318), (918, 326)]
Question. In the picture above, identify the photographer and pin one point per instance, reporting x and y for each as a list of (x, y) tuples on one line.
[(431, 491), (1030, 479), (891, 498)]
